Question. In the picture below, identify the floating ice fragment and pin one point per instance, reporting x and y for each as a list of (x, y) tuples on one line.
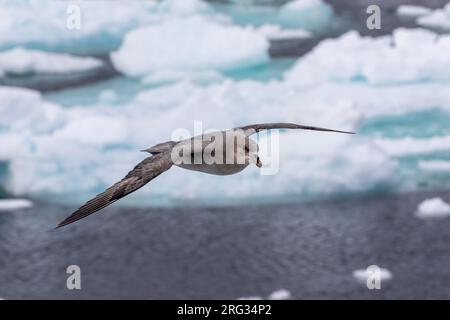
[(412, 10), (203, 44), (23, 61), (433, 208), (434, 165), (311, 15), (281, 294), (362, 275), (14, 204), (439, 18)]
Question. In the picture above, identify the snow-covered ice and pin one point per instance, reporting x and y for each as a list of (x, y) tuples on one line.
[(44, 23), (170, 76), (204, 44), (434, 165), (433, 208), (412, 10), (275, 32), (57, 157), (382, 60), (439, 18), (361, 275), (22, 61), (281, 294), (311, 15), (410, 146), (14, 204)]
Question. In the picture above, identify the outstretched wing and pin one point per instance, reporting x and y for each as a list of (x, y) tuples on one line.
[(253, 128), (144, 172)]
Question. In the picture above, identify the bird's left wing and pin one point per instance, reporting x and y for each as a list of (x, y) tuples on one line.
[(144, 172), (254, 128)]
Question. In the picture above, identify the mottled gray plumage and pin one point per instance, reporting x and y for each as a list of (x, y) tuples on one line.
[(145, 171), (161, 160)]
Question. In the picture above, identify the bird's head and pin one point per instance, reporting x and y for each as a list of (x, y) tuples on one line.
[(249, 149)]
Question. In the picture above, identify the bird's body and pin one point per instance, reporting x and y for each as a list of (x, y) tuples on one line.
[(208, 153), (219, 153)]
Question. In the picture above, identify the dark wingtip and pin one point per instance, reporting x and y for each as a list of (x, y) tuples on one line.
[(61, 224), (347, 132)]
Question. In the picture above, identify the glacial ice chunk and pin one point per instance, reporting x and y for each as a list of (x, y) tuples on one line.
[(383, 60), (434, 165), (23, 61), (280, 294), (311, 15), (275, 32), (410, 146), (203, 44), (48, 24), (439, 18), (14, 204), (433, 208), (412, 10), (361, 275)]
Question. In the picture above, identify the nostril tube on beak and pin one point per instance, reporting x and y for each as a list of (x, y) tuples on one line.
[(258, 163)]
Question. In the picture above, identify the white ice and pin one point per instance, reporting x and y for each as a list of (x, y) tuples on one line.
[(439, 18), (281, 294), (275, 32), (433, 208), (383, 60), (412, 10), (361, 275), (22, 61), (14, 204), (84, 149), (410, 146), (203, 44), (434, 165), (49, 23), (311, 15)]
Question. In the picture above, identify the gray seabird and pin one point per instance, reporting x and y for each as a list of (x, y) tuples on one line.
[(234, 157)]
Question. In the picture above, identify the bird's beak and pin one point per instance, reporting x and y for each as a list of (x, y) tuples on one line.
[(258, 162)]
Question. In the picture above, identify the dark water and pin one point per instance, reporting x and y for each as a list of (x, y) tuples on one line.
[(309, 249)]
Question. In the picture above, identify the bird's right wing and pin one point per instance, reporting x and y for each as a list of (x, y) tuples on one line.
[(143, 173)]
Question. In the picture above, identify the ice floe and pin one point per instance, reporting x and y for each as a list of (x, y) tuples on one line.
[(204, 44), (412, 10), (20, 61), (409, 146), (280, 294), (382, 60), (14, 204), (311, 15), (85, 149), (439, 18), (275, 32), (362, 275), (433, 208), (44, 23), (434, 165), (170, 76)]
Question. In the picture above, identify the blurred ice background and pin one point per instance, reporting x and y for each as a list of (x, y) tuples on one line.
[(76, 104), (135, 71)]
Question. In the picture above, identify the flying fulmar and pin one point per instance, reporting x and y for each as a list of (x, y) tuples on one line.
[(219, 153)]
